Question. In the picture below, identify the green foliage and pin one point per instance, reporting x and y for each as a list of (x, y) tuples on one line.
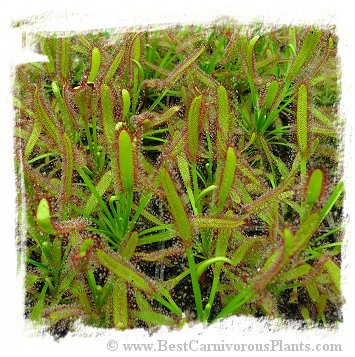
[(199, 161)]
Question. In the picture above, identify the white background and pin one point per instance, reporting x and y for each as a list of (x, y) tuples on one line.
[(84, 15)]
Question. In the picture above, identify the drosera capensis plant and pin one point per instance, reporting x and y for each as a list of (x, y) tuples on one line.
[(180, 175)]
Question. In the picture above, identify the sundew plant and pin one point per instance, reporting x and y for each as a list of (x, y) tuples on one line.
[(180, 175)]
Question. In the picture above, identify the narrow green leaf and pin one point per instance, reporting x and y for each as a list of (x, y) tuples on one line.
[(231, 47), (203, 77), (67, 122), (320, 116), (138, 72), (36, 313), (220, 251), (227, 179), (226, 222), (206, 263), (94, 192), (101, 188), (334, 272), (142, 302), (67, 167), (270, 94), (126, 100), (306, 52), (95, 64), (280, 257), (305, 314), (313, 291), (270, 197), (243, 249), (184, 170), (179, 70), (46, 48), (126, 271), (251, 68), (83, 98), (129, 246), (222, 242), (166, 116), (44, 217), (56, 256), (78, 291), (92, 284), (33, 139), (306, 231), (160, 256), (67, 281), (107, 114), (18, 104), (195, 283), (65, 56), (160, 227), (193, 128), (239, 300), (64, 313), (314, 189), (114, 65), (295, 273), (104, 292), (336, 193), (139, 210), (153, 318), (205, 192), (120, 304), (37, 264), (176, 207), (140, 69), (302, 119), (185, 174), (30, 280), (126, 161), (310, 225)]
